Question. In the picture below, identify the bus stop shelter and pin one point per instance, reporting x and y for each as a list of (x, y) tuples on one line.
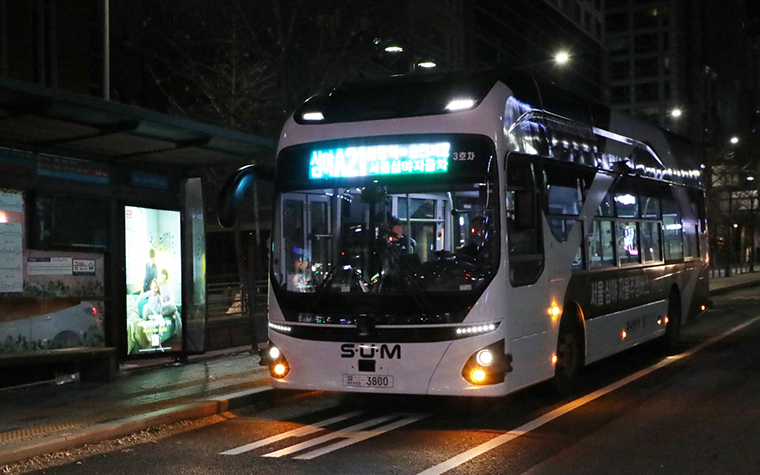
[(100, 205)]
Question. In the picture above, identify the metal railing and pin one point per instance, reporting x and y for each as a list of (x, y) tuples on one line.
[(734, 269), (229, 308), (227, 300)]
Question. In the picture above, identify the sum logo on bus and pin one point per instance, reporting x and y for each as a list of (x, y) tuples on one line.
[(349, 350)]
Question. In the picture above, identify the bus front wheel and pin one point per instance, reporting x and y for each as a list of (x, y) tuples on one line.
[(569, 358)]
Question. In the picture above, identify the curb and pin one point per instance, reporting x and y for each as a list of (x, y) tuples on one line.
[(24, 450)]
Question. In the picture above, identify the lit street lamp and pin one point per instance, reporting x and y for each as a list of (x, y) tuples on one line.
[(562, 57)]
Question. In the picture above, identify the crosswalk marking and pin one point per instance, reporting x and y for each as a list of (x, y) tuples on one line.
[(327, 437), (360, 436), (305, 430), (349, 435)]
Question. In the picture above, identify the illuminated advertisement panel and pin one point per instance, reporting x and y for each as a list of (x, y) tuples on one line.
[(154, 280)]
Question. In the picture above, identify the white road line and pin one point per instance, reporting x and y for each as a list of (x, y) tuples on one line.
[(550, 416), (362, 435), (300, 432), (332, 435), (247, 392)]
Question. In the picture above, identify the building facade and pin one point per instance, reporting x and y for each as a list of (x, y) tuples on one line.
[(676, 55), (683, 65), (527, 35)]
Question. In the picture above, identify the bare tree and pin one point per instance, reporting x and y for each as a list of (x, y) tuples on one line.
[(246, 64)]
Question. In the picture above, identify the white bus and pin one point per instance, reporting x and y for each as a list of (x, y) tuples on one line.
[(473, 234)]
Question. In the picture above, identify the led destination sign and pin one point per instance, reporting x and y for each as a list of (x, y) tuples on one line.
[(373, 160)]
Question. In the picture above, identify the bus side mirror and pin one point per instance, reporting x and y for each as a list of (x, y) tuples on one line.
[(232, 195)]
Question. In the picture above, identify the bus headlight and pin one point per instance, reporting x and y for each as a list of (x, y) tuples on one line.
[(488, 365), (484, 357), (273, 358)]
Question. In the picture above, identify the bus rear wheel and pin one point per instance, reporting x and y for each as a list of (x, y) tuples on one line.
[(569, 358)]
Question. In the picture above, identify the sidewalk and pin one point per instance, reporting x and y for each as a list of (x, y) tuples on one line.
[(46, 418), (720, 285)]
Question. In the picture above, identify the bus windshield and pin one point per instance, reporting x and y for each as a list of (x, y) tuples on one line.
[(386, 237)]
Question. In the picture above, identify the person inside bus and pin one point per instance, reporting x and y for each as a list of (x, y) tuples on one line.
[(396, 260), (391, 229), (477, 247)]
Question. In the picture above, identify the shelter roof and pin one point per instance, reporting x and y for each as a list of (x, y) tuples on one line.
[(43, 120)]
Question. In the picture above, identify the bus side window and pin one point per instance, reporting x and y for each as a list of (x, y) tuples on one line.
[(690, 220), (697, 200), (566, 187), (651, 230), (672, 231), (628, 242), (601, 245), (650, 241), (524, 232)]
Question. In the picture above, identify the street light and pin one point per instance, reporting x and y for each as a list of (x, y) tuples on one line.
[(676, 113), (562, 57), (734, 140)]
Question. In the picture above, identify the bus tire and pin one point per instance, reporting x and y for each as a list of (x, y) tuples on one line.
[(669, 341), (570, 352)]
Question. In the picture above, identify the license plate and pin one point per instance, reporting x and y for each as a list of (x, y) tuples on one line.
[(367, 381)]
